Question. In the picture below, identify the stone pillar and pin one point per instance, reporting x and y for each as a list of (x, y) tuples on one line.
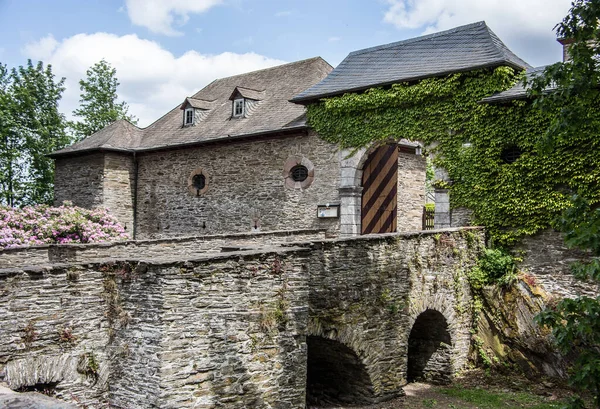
[(350, 201), (350, 191), (442, 218)]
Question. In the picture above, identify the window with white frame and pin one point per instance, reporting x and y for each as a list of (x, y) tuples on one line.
[(188, 118), (238, 108)]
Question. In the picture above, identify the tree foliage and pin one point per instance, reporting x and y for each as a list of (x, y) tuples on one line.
[(571, 91), (31, 126), (99, 101), (468, 139)]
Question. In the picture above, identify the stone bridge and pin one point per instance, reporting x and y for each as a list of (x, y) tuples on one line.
[(323, 321)]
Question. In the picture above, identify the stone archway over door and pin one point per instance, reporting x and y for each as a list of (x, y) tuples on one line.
[(379, 207)]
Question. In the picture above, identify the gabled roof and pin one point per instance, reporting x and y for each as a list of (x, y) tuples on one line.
[(248, 93), (518, 91), (460, 49), (197, 103), (274, 113)]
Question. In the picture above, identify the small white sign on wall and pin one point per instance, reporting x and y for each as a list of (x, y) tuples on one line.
[(328, 211)]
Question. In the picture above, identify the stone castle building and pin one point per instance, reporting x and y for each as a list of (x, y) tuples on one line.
[(238, 156), (259, 306)]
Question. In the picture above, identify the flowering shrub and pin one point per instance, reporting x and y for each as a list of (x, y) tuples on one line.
[(42, 224)]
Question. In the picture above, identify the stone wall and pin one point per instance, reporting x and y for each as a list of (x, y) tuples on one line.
[(118, 187), (245, 188), (548, 260), (97, 180), (80, 180), (230, 330), (164, 335), (149, 249), (367, 293), (446, 216), (411, 191)]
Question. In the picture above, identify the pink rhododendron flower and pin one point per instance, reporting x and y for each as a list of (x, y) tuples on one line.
[(36, 225)]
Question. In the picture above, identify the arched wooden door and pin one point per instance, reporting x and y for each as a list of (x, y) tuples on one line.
[(380, 191)]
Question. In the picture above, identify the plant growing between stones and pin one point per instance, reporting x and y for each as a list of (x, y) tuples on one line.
[(66, 336), (88, 365), (72, 274), (276, 316), (29, 334), (117, 317)]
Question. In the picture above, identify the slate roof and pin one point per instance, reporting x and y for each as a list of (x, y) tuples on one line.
[(459, 49), (198, 103), (118, 136), (248, 93), (274, 113), (518, 91)]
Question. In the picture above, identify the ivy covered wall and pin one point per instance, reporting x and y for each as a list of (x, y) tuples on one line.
[(496, 168)]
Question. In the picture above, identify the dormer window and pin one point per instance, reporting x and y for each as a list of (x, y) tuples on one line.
[(238, 108), (188, 118), (196, 110), (245, 101)]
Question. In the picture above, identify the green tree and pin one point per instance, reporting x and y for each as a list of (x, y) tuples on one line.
[(31, 127), (9, 142), (571, 91), (99, 106)]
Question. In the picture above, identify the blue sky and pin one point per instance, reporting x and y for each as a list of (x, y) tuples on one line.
[(165, 50)]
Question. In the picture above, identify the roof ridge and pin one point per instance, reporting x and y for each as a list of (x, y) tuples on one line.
[(269, 68), (503, 51), (129, 127), (420, 38)]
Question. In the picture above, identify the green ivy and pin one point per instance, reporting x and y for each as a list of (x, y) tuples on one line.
[(467, 138)]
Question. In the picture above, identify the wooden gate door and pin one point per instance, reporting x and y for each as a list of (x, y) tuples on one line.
[(380, 190)]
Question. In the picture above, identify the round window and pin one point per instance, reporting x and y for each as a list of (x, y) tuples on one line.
[(299, 173), (510, 154), (199, 181)]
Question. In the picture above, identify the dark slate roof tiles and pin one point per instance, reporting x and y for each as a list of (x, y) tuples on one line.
[(518, 91), (459, 49)]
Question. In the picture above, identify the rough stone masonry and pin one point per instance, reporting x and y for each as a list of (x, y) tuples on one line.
[(236, 329)]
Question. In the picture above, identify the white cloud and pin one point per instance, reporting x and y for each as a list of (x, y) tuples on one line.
[(334, 39), (283, 13), (152, 79), (42, 49), (525, 25), (159, 16)]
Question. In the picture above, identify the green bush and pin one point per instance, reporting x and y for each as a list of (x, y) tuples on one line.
[(493, 266)]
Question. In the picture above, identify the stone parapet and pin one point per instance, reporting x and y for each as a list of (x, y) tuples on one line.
[(150, 249), (231, 329)]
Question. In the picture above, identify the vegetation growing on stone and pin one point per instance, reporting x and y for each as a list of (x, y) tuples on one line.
[(511, 199)]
